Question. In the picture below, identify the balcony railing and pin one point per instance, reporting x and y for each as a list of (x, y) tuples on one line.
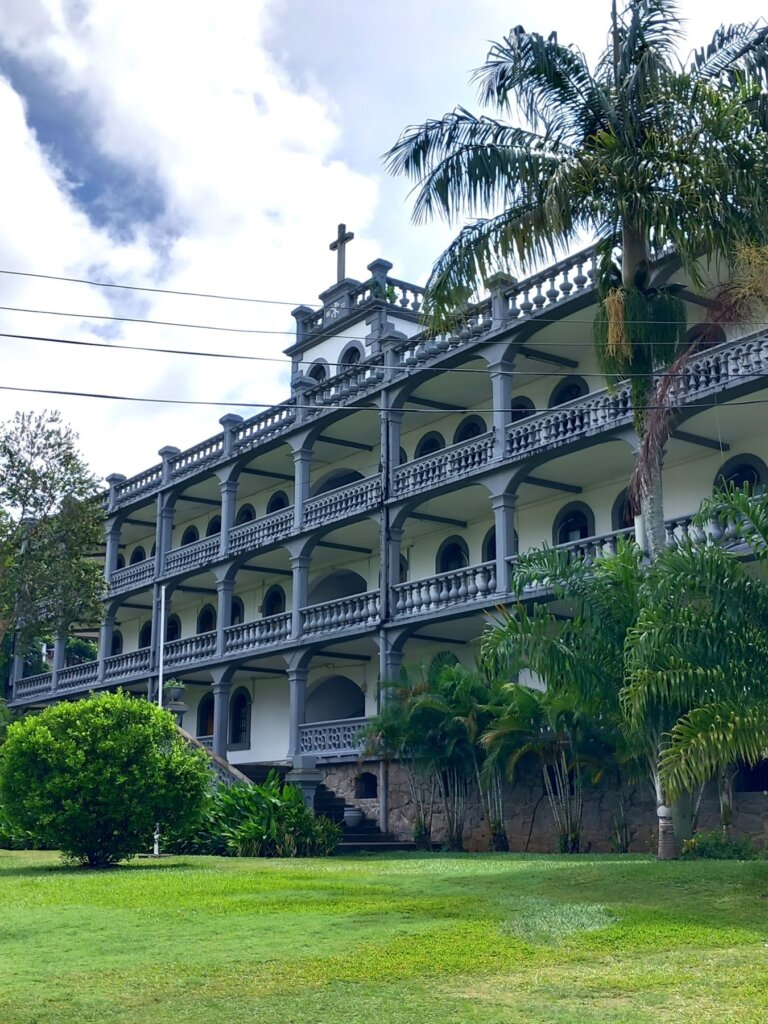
[(360, 496), (260, 532), (132, 576), (331, 738), (190, 649), (357, 610), (249, 636), (77, 676), (192, 555), (33, 685), (133, 663), (447, 465), (475, 583)]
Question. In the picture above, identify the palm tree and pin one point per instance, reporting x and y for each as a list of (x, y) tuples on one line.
[(638, 152)]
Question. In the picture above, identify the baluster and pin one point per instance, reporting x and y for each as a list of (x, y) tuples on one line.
[(553, 292), (526, 305), (538, 298), (463, 590)]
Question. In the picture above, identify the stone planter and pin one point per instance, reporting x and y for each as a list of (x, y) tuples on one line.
[(353, 817)]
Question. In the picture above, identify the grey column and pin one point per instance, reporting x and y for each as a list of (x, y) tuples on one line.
[(390, 566), (224, 590), (220, 717), (501, 399), (297, 695), (302, 459), (105, 642), (59, 655), (394, 429), (504, 519), (163, 533), (17, 669), (112, 537), (390, 661), (300, 566), (228, 505)]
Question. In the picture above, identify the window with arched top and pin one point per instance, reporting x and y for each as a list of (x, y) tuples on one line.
[(403, 573), (429, 444), (145, 636), (173, 628), (336, 478), (470, 426), (152, 550), (138, 555), (489, 546), (120, 562), (402, 456), (245, 514), (568, 390), (453, 554), (366, 786), (351, 355), (206, 619), (318, 373), (743, 471), (190, 535), (238, 612), (117, 643), (213, 527), (240, 719), (274, 601), (277, 501), (205, 716), (574, 522), (622, 515), (520, 408)]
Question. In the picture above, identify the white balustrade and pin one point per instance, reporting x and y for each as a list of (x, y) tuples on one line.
[(260, 532), (579, 418), (337, 737), (445, 466), (137, 575), (246, 636), (190, 556), (345, 613), (360, 496), (445, 590)]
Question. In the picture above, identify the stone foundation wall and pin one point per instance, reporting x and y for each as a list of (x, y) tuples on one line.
[(529, 823)]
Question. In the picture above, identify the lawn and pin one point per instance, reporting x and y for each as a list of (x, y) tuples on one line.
[(401, 939)]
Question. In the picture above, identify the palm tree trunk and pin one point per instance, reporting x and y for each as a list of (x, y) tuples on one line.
[(668, 844), (652, 509)]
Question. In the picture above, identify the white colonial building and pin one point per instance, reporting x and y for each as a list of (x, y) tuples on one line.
[(373, 516)]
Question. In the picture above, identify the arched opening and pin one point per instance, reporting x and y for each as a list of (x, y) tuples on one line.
[(470, 426), (173, 628), (238, 612), (574, 522), (452, 555), (152, 550), (429, 444), (277, 501), (274, 601), (489, 546), (213, 527), (403, 570), (741, 471), (206, 619), (120, 562), (318, 372), (336, 478), (240, 719), (117, 643), (402, 456), (334, 698), (205, 716), (190, 535), (521, 407), (138, 555), (351, 355), (366, 786), (145, 636), (337, 584), (568, 390), (245, 514), (621, 512)]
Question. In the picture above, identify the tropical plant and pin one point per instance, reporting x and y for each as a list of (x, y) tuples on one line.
[(639, 152), (94, 777)]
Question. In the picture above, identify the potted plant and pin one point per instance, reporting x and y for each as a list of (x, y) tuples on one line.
[(174, 689), (353, 816)]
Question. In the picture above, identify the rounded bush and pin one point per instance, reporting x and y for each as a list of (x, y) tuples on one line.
[(94, 777)]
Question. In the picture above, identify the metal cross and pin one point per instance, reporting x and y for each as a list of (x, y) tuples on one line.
[(342, 238)]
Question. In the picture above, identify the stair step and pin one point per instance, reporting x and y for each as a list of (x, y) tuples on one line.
[(389, 847)]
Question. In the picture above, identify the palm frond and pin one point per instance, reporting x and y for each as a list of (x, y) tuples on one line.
[(740, 512), (734, 48)]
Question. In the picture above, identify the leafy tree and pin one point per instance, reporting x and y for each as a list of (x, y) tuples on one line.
[(50, 522), (639, 152), (94, 777)]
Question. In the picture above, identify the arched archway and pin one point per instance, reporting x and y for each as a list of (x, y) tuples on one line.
[(568, 390), (245, 514), (520, 408), (574, 522), (190, 535), (138, 555), (470, 426), (277, 501), (213, 527), (238, 612), (489, 546), (452, 555), (145, 636), (621, 512), (117, 643), (743, 470), (351, 355), (120, 562), (274, 601), (337, 584), (318, 371), (429, 444), (205, 716), (173, 628), (240, 719), (206, 619), (333, 698), (366, 786), (336, 478)]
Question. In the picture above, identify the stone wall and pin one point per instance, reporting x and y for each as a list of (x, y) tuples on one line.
[(529, 823)]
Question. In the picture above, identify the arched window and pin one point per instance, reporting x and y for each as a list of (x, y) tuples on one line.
[(366, 786), (238, 612), (240, 719), (621, 513), (429, 444), (246, 514), (206, 620), (336, 478), (190, 535), (152, 550), (568, 390), (521, 407), (145, 636), (120, 563), (274, 601), (453, 554), (489, 545), (573, 522), (318, 372), (402, 456), (403, 574), (351, 355), (277, 501), (205, 716), (213, 527), (173, 629), (741, 470), (117, 643), (138, 555), (470, 426)]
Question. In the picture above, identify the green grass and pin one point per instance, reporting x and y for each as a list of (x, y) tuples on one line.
[(404, 939)]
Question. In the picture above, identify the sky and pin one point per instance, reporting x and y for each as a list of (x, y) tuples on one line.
[(214, 148)]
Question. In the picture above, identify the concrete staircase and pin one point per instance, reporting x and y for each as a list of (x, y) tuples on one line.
[(366, 837)]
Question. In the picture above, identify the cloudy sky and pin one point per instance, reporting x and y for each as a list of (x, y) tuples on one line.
[(214, 148)]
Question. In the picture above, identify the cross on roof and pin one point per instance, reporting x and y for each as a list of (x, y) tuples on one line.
[(342, 238)]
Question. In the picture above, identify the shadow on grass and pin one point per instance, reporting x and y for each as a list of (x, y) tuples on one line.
[(64, 868)]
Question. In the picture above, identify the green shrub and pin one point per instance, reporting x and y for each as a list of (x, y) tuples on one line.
[(718, 845), (93, 777), (258, 821)]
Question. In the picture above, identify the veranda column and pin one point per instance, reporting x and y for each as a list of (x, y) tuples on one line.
[(392, 539), (221, 687), (501, 400), (164, 531), (300, 590), (503, 506), (297, 697), (228, 505), (59, 654), (106, 634), (302, 461), (224, 590), (112, 538)]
